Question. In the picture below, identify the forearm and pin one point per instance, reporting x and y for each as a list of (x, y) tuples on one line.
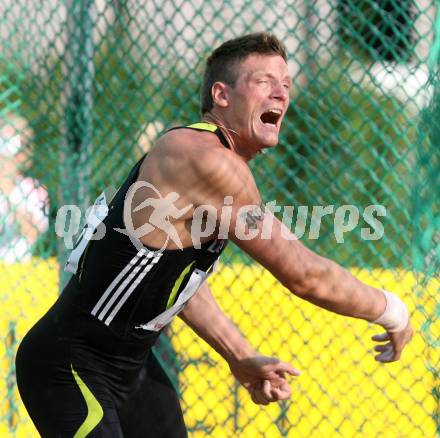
[(330, 286), (312, 277), (208, 321)]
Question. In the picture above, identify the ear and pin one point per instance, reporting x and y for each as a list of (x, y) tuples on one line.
[(220, 95)]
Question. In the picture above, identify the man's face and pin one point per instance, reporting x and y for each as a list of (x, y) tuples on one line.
[(259, 101)]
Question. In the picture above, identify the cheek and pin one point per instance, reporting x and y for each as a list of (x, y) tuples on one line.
[(240, 105), (247, 106)]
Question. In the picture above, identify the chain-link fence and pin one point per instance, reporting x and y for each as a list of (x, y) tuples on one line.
[(85, 88)]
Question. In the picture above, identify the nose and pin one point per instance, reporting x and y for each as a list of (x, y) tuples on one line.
[(280, 92)]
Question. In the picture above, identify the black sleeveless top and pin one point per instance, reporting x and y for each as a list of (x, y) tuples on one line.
[(133, 292)]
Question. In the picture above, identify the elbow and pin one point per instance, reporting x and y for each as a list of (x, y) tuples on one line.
[(307, 281)]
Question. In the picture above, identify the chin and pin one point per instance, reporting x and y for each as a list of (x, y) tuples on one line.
[(270, 142)]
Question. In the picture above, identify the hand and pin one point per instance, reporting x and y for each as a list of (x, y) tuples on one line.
[(264, 378), (392, 350)]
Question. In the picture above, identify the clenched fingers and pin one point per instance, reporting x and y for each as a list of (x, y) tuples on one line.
[(264, 393), (257, 396), (282, 392)]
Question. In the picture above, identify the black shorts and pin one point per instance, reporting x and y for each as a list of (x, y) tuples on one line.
[(67, 397)]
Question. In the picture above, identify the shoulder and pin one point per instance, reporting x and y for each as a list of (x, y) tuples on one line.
[(188, 158), (187, 154), (193, 146)]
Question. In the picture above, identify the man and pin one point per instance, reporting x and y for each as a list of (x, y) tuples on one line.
[(86, 368)]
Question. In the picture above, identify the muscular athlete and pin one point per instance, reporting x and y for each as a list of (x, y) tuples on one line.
[(86, 368)]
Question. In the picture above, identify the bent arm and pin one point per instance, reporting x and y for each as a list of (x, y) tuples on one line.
[(263, 376), (208, 321)]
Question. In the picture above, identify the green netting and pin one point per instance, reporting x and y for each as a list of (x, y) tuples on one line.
[(87, 86), (427, 218)]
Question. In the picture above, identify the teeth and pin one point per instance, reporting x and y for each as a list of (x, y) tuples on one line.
[(274, 110)]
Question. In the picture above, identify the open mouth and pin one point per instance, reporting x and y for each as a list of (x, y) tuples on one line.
[(271, 116)]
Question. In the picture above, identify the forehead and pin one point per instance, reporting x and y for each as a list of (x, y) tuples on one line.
[(269, 64)]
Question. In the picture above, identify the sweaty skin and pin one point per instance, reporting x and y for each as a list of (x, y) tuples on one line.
[(203, 172)]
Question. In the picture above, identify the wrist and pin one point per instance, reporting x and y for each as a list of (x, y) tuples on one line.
[(395, 317), (228, 341), (236, 353)]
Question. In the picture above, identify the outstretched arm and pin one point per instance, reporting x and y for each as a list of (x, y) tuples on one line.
[(328, 285), (218, 176), (262, 376), (306, 274)]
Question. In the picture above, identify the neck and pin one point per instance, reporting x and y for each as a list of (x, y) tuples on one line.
[(231, 136)]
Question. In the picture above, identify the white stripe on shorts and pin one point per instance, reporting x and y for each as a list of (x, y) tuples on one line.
[(117, 279), (131, 289)]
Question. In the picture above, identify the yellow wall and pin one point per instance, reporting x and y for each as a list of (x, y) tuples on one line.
[(342, 391), (28, 290)]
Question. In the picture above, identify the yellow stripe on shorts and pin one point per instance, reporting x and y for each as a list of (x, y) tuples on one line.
[(94, 409), (177, 284)]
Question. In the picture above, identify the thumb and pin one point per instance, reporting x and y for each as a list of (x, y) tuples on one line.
[(289, 369), (283, 367)]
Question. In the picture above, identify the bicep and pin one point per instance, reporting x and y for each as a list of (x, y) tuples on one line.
[(200, 303), (230, 190), (276, 248)]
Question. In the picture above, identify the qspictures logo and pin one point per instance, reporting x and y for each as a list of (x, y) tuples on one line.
[(253, 221)]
